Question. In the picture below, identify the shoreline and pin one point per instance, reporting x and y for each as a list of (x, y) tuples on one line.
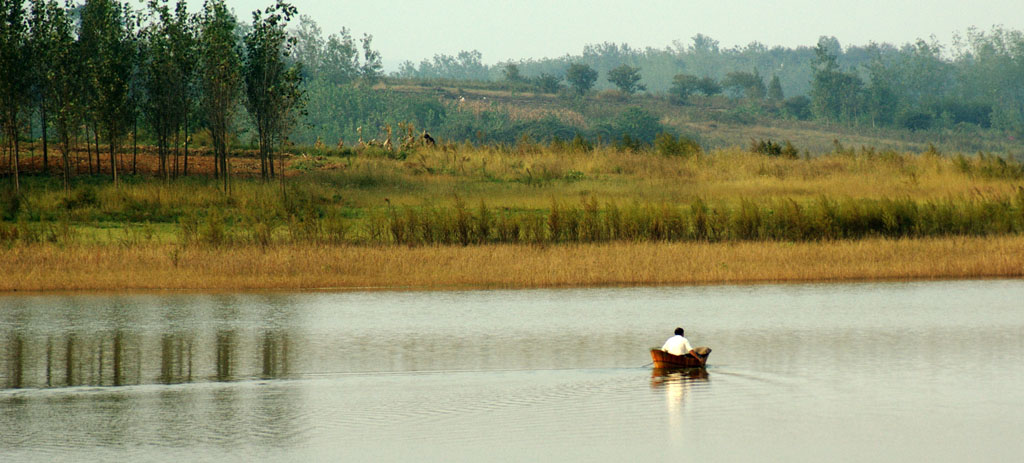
[(161, 267), (371, 289)]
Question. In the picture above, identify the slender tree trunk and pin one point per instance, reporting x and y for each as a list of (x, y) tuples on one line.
[(78, 153), (264, 170), (227, 170), (88, 149), (177, 144), (165, 149), (66, 170), (224, 166), (17, 183), (31, 146), (160, 155), (66, 167), (42, 121), (185, 171), (280, 159), (161, 152), (216, 153), (113, 161), (135, 146), (91, 143), (96, 138), (270, 159), (167, 157)]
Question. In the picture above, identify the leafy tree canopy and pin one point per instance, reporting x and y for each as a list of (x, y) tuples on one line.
[(581, 77), (626, 78)]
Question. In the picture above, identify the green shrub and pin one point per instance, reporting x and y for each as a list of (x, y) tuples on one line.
[(770, 148), (508, 228), (667, 144), (188, 229), (10, 204), (555, 223), (214, 231), (484, 223)]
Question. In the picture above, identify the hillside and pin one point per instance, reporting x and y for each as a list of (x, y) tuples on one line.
[(715, 122)]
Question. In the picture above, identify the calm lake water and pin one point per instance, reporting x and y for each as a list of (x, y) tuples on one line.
[(930, 371)]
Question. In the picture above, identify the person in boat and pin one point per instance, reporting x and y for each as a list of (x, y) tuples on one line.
[(677, 345)]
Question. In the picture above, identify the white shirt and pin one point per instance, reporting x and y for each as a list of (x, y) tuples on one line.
[(677, 345)]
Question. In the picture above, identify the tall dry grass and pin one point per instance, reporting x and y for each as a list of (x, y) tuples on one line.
[(44, 267), (530, 176), (723, 195)]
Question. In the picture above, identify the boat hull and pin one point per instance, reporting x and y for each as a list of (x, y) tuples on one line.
[(666, 361)]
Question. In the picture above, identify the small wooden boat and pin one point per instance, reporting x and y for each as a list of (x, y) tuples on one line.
[(696, 358)]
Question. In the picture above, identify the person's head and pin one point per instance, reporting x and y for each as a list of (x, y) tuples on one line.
[(679, 331)]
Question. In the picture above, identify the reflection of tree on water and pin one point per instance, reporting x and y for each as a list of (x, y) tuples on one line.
[(17, 363), (69, 361), (225, 354), (120, 357), (49, 361), (175, 358), (275, 354)]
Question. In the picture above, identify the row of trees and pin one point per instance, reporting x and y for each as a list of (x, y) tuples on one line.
[(703, 57), (581, 79), (93, 71)]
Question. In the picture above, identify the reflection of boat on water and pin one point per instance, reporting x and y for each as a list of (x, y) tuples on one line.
[(660, 376), (676, 384), (697, 358)]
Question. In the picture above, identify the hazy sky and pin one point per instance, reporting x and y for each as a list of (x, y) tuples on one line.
[(505, 29)]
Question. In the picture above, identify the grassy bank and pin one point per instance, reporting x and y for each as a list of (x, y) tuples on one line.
[(157, 267), (537, 194)]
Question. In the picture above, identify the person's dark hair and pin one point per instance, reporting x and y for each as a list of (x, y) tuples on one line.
[(679, 331)]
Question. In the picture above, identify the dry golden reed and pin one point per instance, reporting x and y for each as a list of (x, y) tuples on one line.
[(168, 267)]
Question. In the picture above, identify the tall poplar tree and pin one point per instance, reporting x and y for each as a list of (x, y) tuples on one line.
[(64, 85), (184, 49), (14, 78), (220, 77), (44, 24), (273, 85), (162, 81), (106, 30)]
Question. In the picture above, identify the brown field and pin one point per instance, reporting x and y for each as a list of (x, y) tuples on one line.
[(145, 161), (170, 267)]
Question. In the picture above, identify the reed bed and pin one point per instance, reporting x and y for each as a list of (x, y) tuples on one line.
[(750, 220), (588, 221), (44, 267), (530, 175)]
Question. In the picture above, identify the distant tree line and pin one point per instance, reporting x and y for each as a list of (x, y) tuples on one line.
[(915, 86), (97, 71)]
